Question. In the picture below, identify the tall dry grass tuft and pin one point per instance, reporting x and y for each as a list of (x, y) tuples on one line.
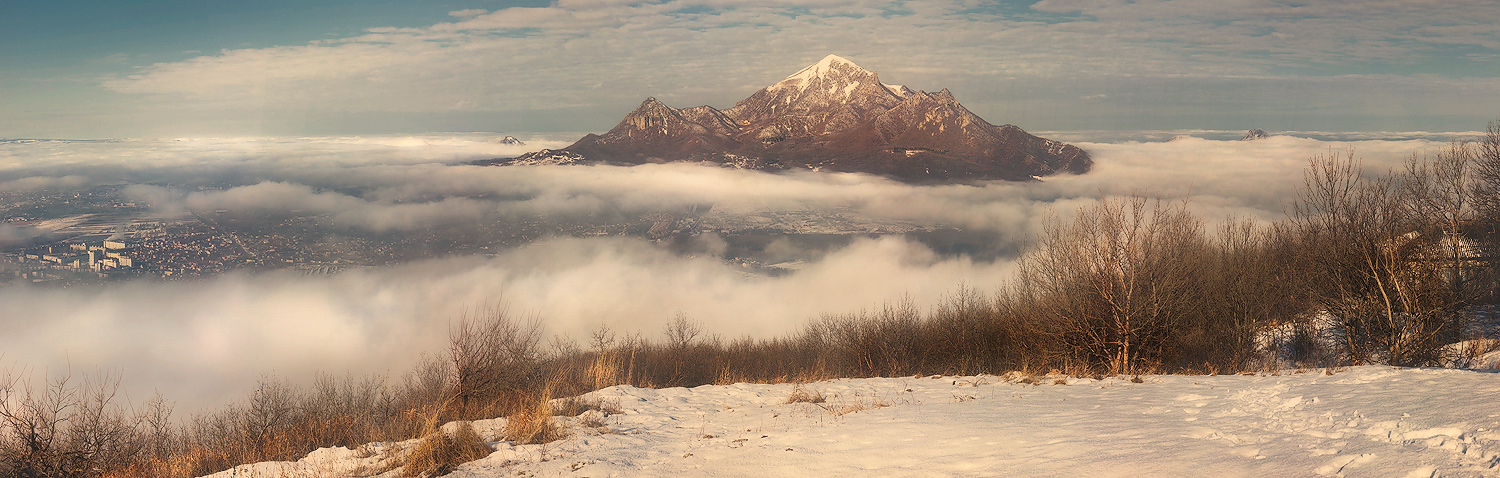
[(533, 423), (605, 370), (440, 451)]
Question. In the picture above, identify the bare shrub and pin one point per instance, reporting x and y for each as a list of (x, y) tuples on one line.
[(866, 344), (965, 335), (493, 358), (1247, 285), (683, 353), (604, 370), (101, 434)]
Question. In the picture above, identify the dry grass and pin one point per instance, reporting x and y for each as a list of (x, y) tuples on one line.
[(439, 452), (533, 423), (840, 407), (575, 406), (593, 420), (801, 395), (605, 370)]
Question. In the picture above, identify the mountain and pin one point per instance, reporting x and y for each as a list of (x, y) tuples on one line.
[(1255, 134), (511, 140), (830, 116)]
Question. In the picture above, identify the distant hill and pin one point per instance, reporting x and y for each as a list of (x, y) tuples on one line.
[(1255, 134)]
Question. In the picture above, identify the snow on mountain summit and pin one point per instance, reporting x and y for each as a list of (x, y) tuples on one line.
[(824, 98), (823, 68)]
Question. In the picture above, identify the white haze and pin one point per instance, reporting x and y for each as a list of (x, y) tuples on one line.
[(202, 343)]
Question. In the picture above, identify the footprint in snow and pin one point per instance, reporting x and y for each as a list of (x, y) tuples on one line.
[(1337, 466)]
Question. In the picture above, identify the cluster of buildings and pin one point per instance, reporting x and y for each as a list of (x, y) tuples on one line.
[(191, 253), (98, 254)]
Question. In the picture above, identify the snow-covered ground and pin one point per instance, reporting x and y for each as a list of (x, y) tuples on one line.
[(1360, 421)]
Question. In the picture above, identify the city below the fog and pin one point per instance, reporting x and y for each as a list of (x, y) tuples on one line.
[(95, 235)]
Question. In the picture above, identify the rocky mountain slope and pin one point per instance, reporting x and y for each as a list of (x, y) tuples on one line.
[(830, 116)]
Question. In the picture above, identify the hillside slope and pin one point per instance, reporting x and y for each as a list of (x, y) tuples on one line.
[(1361, 421)]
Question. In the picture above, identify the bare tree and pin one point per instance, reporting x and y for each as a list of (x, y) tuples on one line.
[(161, 437), (1249, 284), (33, 425), (1442, 195), (681, 331), (602, 338), (491, 355), (268, 416), (100, 434), (1487, 202), (1388, 254), (1115, 284), (66, 428)]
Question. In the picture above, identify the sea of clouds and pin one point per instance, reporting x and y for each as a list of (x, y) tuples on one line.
[(204, 342)]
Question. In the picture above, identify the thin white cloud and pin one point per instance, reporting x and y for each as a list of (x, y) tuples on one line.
[(470, 12), (35, 183), (571, 54)]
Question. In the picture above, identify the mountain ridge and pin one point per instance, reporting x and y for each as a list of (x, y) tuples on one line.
[(830, 116)]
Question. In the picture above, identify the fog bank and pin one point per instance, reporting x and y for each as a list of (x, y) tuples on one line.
[(204, 342)]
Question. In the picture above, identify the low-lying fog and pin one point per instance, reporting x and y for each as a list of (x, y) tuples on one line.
[(205, 342)]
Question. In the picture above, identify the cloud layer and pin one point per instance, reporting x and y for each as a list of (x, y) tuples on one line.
[(644, 48), (1051, 64), (203, 342)]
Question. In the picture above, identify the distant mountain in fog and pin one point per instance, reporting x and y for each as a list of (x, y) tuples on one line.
[(830, 116)]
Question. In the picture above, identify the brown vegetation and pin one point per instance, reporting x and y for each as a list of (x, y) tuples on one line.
[(1388, 258)]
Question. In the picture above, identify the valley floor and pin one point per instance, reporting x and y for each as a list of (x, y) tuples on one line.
[(1359, 421)]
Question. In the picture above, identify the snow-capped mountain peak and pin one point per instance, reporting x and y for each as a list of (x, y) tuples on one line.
[(822, 69), (832, 115)]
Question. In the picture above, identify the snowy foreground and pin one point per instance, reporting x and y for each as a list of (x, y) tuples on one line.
[(1361, 421)]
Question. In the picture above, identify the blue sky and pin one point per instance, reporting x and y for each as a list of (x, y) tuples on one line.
[(98, 69)]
